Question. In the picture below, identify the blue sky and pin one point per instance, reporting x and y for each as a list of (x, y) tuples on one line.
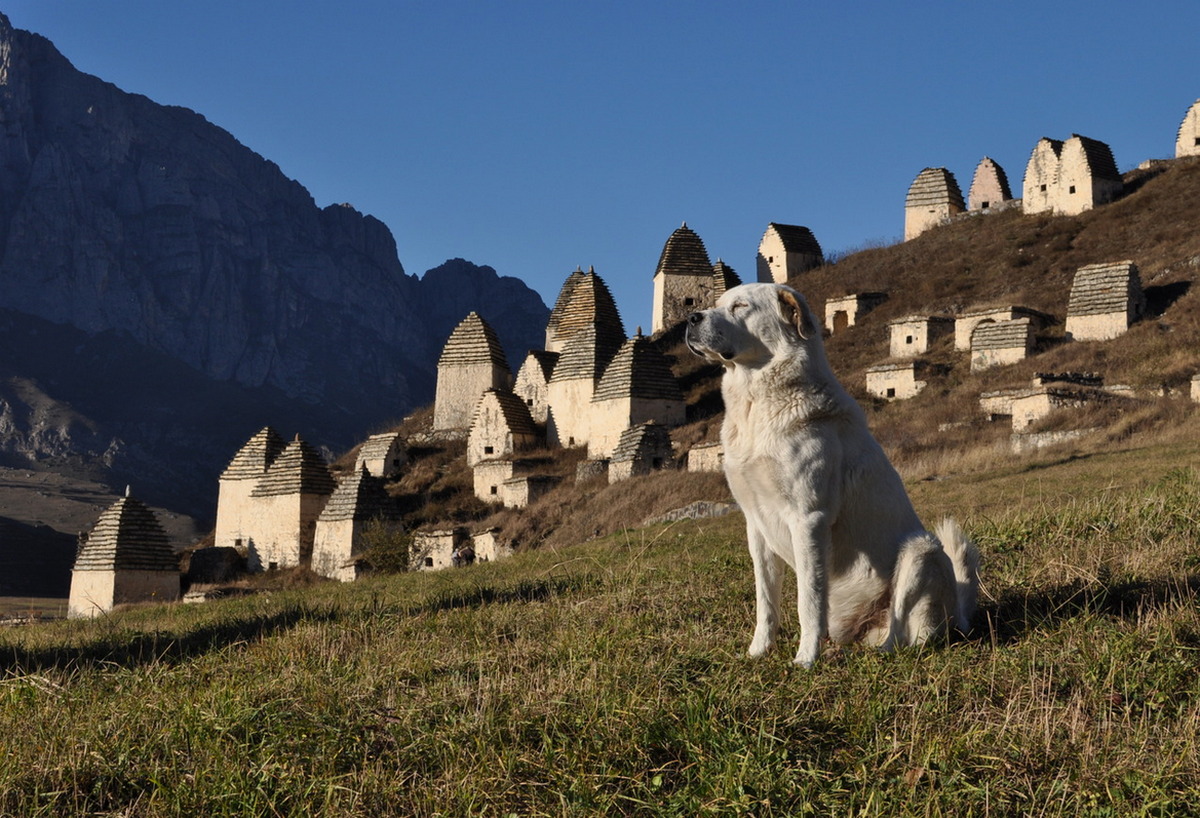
[(538, 136)]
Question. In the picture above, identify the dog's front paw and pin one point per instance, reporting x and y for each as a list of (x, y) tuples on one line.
[(805, 658), (759, 645)]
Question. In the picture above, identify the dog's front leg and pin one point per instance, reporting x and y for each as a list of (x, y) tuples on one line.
[(768, 581), (811, 538)]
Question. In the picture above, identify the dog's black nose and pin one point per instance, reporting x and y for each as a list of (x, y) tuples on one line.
[(695, 318)]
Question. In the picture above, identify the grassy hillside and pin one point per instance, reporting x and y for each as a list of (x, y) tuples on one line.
[(609, 677)]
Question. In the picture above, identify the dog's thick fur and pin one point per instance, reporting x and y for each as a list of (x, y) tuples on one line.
[(817, 490)]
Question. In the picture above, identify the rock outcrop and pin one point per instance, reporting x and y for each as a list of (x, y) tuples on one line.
[(143, 232)]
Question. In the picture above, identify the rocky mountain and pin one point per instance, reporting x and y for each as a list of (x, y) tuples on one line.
[(167, 291)]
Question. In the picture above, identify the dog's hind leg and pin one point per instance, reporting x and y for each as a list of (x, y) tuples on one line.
[(768, 581)]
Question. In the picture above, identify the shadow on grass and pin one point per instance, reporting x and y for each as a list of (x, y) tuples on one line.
[(524, 591), (1018, 613), (124, 649)]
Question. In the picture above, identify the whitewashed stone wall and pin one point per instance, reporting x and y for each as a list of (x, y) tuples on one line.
[(519, 492), (1187, 142), (965, 324), (895, 381), (458, 390), (531, 387), (915, 334), (610, 418), (284, 530), (491, 436), (678, 296), (487, 546), (96, 592), (434, 550), (933, 198), (569, 417), (1041, 177), (845, 312), (1079, 189), (706, 457), (236, 514)]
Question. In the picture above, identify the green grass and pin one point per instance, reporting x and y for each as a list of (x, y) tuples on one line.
[(609, 678)]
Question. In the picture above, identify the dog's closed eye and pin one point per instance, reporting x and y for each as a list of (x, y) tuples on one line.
[(733, 308)]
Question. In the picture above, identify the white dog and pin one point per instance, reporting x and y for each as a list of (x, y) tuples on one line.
[(817, 490)]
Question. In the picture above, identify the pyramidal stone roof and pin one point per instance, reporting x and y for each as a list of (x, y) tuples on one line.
[(253, 459), (933, 187), (299, 469), (590, 303), (473, 342), (127, 537), (638, 370), (361, 497), (1001, 334), (1100, 289), (564, 298), (724, 278), (795, 238), (376, 447), (1099, 158), (638, 441), (587, 354), (514, 411), (684, 255)]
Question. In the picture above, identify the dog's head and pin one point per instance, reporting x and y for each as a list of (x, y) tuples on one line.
[(751, 324)]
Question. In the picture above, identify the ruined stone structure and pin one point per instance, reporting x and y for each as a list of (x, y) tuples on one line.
[(592, 470), (285, 504), (997, 343), (844, 312), (358, 506), (989, 187), (724, 278), (125, 558), (965, 324), (570, 391), (1187, 142), (1070, 177), (933, 198), (785, 251), (533, 382), (519, 492), (1033, 404), (490, 476), (915, 334), (488, 547), (382, 455), (435, 550), (706, 457), (898, 381), (1195, 388), (641, 449), (683, 281), (1105, 300), (471, 363), (237, 514), (637, 386), (500, 427)]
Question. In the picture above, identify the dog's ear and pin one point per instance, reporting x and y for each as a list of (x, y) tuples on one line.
[(795, 312)]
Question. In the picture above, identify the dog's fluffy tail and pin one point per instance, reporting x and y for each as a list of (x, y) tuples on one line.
[(964, 556)]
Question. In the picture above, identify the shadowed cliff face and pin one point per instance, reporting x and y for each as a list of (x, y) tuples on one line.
[(128, 219)]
